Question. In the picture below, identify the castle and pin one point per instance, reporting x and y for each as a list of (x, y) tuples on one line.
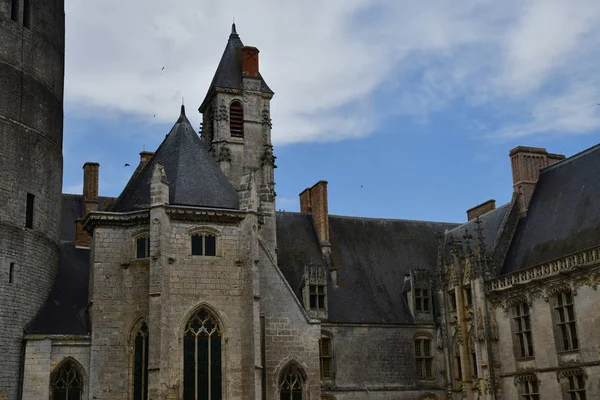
[(190, 285)]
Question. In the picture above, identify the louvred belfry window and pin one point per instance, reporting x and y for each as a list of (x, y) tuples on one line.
[(236, 119)]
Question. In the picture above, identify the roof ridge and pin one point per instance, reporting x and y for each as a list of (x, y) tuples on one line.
[(482, 215), (392, 219), (574, 157)]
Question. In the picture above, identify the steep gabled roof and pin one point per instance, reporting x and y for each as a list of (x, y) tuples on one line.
[(194, 177), (229, 71), (563, 215), (372, 256)]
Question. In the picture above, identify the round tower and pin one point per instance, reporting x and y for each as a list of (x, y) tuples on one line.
[(31, 121)]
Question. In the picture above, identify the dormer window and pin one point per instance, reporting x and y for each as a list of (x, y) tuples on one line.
[(317, 297), (422, 300), (204, 245), (236, 119), (142, 247)]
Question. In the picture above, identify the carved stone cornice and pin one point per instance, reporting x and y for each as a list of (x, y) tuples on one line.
[(103, 218), (554, 268), (204, 214)]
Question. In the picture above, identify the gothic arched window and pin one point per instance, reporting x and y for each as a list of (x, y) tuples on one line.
[(140, 364), (66, 382), (236, 119), (202, 358), (291, 383)]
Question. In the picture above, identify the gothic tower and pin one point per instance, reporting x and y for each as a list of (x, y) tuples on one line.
[(237, 127), (31, 122)]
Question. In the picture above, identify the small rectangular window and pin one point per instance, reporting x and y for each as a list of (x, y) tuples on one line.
[(453, 301), (27, 13), (469, 296), (197, 245), (11, 273), (143, 247), (210, 245), (14, 10), (29, 211)]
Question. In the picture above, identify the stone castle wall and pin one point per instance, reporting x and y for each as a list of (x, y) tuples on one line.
[(31, 78)]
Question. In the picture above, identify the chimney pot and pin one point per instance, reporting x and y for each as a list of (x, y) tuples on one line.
[(249, 61)]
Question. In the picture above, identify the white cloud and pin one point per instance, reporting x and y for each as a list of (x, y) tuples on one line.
[(326, 60)]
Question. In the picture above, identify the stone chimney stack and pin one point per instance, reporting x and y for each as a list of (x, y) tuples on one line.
[(314, 201), (526, 164), (90, 201), (90, 187), (481, 209), (249, 61)]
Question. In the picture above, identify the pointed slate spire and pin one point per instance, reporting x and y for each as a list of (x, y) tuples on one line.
[(182, 115), (194, 177), (229, 71)]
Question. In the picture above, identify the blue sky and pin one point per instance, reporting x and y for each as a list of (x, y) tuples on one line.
[(407, 110)]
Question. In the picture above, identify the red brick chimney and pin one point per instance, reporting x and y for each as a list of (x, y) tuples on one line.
[(526, 164), (314, 201), (90, 201), (249, 61), (481, 209)]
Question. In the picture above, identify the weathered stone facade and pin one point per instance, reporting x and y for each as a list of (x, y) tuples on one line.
[(333, 307), (31, 82)]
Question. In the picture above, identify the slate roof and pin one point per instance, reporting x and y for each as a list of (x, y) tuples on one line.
[(563, 215), (65, 311), (372, 257), (229, 71), (71, 209), (491, 223), (194, 177)]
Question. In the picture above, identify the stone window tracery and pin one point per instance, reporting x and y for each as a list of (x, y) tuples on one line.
[(66, 383), (140, 363), (202, 376), (291, 383)]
